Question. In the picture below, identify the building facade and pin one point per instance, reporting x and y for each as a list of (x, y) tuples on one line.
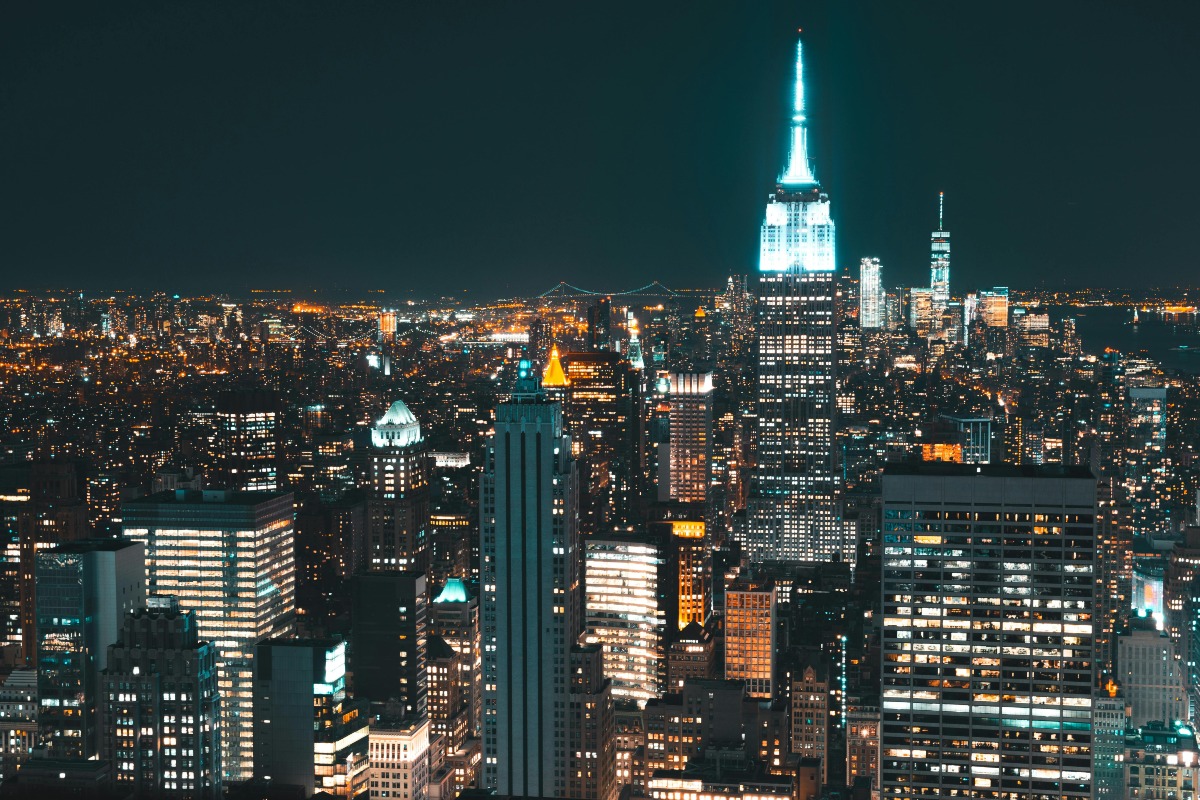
[(84, 591), (988, 627), (531, 603), (159, 706), (750, 628), (307, 731), (229, 558), (796, 493), (398, 515), (390, 612), (871, 295)]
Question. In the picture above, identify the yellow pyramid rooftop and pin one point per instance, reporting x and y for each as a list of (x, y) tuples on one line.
[(553, 375)]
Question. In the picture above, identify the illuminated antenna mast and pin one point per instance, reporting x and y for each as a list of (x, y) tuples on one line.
[(941, 205), (799, 171)]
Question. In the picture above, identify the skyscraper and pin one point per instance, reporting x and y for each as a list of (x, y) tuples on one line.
[(993, 307), (227, 556), (690, 431), (388, 639), (871, 300), (307, 732), (601, 414), (159, 706), (797, 488), (398, 497), (84, 591), (939, 262), (454, 617), (627, 615), (530, 577), (750, 619), (247, 441), (988, 631)]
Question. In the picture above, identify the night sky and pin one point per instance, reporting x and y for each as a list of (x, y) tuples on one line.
[(430, 148)]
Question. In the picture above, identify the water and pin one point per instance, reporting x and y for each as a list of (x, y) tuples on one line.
[(1175, 346)]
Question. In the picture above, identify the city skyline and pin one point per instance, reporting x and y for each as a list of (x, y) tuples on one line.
[(806, 531), (307, 163)]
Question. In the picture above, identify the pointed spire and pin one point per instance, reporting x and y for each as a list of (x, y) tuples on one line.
[(799, 171), (553, 376), (941, 207)]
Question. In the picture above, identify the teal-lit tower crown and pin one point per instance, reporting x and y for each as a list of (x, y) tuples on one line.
[(795, 512), (797, 232)]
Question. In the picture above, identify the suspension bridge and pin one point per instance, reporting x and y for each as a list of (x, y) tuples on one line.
[(566, 291)]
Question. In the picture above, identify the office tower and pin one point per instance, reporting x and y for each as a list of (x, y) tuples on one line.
[(18, 720), (159, 708), (1160, 761), (976, 435), (84, 590), (862, 742), (387, 325), (454, 617), (330, 540), (449, 707), (451, 541), (104, 491), (14, 494), (398, 497), (389, 627), (679, 725), (591, 726), (1151, 677), (689, 582), (307, 732), (750, 619), (628, 608), (689, 467), (871, 296), (247, 440), (810, 713), (530, 578), (399, 756), (600, 325), (601, 415), (228, 557), (1114, 579), (1147, 417), (939, 262), (922, 314), (1183, 567), (988, 628), (48, 510), (993, 307), (795, 505), (1032, 329), (691, 654), (1108, 746)]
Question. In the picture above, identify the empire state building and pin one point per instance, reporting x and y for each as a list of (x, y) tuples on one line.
[(796, 493)]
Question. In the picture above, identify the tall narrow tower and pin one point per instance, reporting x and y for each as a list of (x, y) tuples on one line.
[(530, 576), (939, 262), (796, 494)]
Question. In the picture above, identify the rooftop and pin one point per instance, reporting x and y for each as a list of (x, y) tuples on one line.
[(949, 469)]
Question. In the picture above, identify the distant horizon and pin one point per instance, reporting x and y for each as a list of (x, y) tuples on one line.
[(192, 145), (248, 292)]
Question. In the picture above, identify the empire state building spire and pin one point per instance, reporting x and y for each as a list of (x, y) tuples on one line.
[(799, 171)]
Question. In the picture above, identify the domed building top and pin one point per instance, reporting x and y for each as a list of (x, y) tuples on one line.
[(397, 428), (455, 591)]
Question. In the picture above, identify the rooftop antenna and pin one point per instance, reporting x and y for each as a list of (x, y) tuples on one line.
[(941, 204)]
